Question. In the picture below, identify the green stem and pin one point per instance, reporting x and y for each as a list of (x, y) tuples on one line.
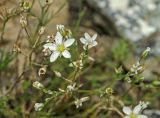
[(75, 73), (29, 37), (3, 30)]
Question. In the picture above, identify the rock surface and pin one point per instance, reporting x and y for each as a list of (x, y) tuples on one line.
[(136, 20), (152, 113)]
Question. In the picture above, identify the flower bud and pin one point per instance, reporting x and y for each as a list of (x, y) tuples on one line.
[(84, 99), (119, 70), (26, 5), (4, 13), (42, 70), (23, 21), (66, 33), (145, 53), (91, 58), (16, 48), (71, 88), (38, 106), (78, 64), (41, 30), (109, 91), (58, 74), (137, 68), (38, 85), (156, 83), (46, 51)]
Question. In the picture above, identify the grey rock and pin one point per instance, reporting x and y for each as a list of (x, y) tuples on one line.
[(136, 20), (152, 113)]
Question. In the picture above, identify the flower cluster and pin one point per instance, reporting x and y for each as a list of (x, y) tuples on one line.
[(57, 46), (136, 68), (134, 73), (63, 40)]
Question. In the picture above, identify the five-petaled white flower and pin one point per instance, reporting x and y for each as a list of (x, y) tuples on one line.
[(59, 47), (89, 41), (136, 111)]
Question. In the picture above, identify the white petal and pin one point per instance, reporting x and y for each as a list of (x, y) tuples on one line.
[(51, 46), (94, 37), (127, 110), (85, 47), (126, 116), (90, 46), (83, 40), (58, 38), (54, 56), (69, 42), (137, 109), (142, 116), (66, 54), (93, 44), (87, 36)]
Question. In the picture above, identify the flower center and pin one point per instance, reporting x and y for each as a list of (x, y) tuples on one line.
[(61, 48), (133, 116)]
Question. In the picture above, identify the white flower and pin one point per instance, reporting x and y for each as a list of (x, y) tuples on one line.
[(79, 102), (59, 47), (38, 106), (37, 85), (89, 41), (135, 113)]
